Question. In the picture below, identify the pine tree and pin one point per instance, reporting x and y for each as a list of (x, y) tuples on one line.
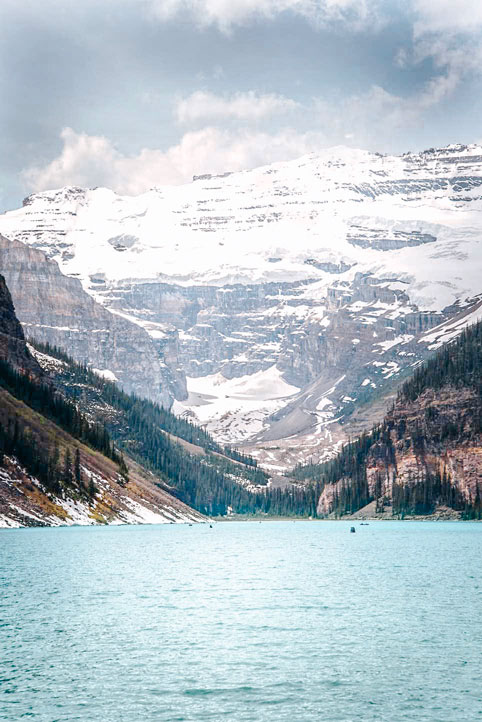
[(68, 477), (92, 488), (77, 469), (124, 471)]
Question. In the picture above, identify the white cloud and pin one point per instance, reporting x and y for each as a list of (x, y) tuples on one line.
[(378, 120), (228, 13), (447, 16), (432, 16), (250, 106), (449, 33), (369, 120), (91, 161), (83, 158)]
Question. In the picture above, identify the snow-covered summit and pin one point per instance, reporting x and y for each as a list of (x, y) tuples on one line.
[(324, 272), (282, 222)]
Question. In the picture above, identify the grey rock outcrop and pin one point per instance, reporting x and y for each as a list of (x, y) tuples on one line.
[(236, 329), (13, 348), (326, 272), (54, 308)]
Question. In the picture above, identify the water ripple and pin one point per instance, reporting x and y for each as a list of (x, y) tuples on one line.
[(275, 622)]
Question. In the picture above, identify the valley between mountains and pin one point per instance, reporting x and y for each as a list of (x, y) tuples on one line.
[(276, 314)]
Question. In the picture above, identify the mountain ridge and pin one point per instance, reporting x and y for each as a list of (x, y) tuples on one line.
[(54, 308), (57, 466), (424, 458), (327, 272)]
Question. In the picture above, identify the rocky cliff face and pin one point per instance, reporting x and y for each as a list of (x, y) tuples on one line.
[(54, 308), (26, 501), (12, 341), (428, 450), (404, 462), (320, 279)]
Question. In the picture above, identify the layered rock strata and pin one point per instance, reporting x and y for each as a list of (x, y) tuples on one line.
[(54, 308)]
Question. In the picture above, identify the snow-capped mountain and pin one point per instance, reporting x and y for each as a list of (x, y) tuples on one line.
[(299, 290)]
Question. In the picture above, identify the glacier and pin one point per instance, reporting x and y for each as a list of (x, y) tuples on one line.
[(300, 292)]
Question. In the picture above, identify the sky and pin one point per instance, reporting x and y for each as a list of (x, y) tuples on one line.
[(132, 94)]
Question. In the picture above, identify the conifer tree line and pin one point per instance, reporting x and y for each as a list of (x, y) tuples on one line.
[(111, 394), (211, 482), (420, 496), (457, 365), (58, 472), (63, 412)]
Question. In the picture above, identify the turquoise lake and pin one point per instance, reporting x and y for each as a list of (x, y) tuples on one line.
[(295, 621)]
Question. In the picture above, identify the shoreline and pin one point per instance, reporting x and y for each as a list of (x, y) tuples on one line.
[(351, 519), (246, 519)]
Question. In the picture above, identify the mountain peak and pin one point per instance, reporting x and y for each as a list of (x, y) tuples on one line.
[(330, 269)]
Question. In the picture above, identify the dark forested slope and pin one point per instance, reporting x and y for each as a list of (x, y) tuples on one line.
[(427, 453), (56, 464), (211, 478)]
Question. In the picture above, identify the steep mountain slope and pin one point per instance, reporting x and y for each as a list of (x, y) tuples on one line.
[(426, 455), (312, 284), (54, 308), (213, 479), (12, 341), (102, 497), (56, 466)]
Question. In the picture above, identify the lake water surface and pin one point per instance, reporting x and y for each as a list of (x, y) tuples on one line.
[(295, 621)]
